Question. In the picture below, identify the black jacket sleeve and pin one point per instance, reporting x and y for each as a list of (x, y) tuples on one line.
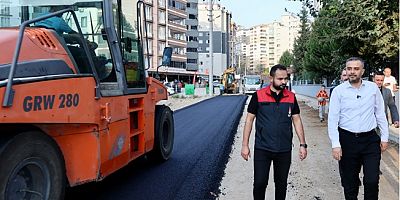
[(392, 107), (252, 107)]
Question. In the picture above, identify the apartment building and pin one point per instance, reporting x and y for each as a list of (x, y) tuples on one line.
[(242, 42), (289, 32), (258, 47), (231, 51), (5, 13), (261, 46), (192, 35), (169, 25), (222, 24)]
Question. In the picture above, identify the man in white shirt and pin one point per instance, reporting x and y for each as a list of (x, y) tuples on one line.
[(356, 108), (390, 82)]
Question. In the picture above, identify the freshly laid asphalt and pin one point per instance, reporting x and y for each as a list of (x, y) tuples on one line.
[(204, 133)]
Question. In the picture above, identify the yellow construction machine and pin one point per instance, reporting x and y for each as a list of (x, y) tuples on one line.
[(231, 85)]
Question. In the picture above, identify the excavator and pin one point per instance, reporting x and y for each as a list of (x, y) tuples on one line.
[(77, 103), (229, 82)]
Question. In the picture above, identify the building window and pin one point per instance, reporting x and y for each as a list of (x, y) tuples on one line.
[(83, 22), (149, 12), (176, 4), (181, 51), (192, 61), (161, 16), (146, 61), (191, 16), (150, 43), (176, 64), (149, 27), (192, 38), (200, 41), (193, 27), (4, 10), (4, 22), (200, 34), (161, 46), (161, 32), (161, 3), (191, 50)]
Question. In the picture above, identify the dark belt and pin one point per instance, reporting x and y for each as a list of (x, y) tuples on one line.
[(361, 134)]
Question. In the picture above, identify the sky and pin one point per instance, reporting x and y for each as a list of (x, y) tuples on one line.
[(249, 13)]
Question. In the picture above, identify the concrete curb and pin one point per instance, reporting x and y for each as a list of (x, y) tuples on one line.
[(191, 105)]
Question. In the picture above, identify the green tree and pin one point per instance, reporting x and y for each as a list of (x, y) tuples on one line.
[(323, 56), (260, 69), (344, 28), (299, 48), (286, 59)]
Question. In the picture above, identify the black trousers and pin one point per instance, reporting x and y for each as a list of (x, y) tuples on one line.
[(357, 151), (262, 163)]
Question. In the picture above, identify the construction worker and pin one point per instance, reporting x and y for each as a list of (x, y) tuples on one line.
[(56, 23), (322, 96)]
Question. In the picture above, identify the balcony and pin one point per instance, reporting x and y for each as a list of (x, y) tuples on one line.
[(177, 42), (177, 27), (149, 2), (179, 57), (177, 12)]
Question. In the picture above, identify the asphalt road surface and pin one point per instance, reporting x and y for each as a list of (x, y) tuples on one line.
[(203, 137)]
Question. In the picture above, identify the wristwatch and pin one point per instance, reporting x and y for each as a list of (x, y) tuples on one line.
[(303, 145)]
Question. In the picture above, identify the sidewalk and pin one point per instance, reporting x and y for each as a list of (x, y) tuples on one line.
[(312, 102)]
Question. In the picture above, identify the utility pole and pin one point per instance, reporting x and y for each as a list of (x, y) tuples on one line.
[(240, 80), (210, 73)]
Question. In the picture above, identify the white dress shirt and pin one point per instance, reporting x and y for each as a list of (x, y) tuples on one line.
[(356, 110), (392, 81)]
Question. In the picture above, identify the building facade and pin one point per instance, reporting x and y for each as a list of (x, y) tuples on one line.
[(6, 13), (192, 36), (261, 46), (169, 24), (222, 44)]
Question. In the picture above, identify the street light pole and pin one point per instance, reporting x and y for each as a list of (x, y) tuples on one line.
[(210, 73)]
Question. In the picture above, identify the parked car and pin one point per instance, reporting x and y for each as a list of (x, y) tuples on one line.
[(170, 89)]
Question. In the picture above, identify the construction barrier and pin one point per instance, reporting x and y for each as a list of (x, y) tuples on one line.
[(189, 89)]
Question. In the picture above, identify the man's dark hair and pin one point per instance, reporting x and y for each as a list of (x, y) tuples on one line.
[(276, 67), (379, 72), (356, 59)]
